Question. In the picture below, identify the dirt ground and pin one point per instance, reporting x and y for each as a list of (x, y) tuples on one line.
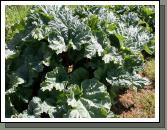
[(135, 103)]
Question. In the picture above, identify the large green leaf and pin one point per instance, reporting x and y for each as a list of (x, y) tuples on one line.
[(70, 32), (78, 111), (95, 101), (36, 107), (93, 48), (57, 79), (120, 77), (57, 99)]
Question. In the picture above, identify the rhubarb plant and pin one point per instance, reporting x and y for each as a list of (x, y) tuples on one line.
[(67, 62)]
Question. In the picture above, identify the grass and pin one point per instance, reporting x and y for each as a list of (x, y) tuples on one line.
[(14, 14), (149, 69), (141, 104)]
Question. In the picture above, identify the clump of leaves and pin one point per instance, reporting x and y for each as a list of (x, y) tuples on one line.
[(66, 65)]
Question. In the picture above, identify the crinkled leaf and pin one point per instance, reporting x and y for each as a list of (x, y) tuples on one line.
[(70, 29), (36, 107), (57, 43), (119, 77), (134, 37), (57, 79), (79, 111), (93, 48), (95, 101), (139, 81)]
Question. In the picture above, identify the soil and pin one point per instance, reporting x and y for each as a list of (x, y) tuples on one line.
[(131, 103)]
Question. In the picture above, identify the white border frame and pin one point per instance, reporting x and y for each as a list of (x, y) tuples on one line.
[(3, 3)]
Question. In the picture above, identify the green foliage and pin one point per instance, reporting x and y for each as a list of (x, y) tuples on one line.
[(14, 20), (66, 62)]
